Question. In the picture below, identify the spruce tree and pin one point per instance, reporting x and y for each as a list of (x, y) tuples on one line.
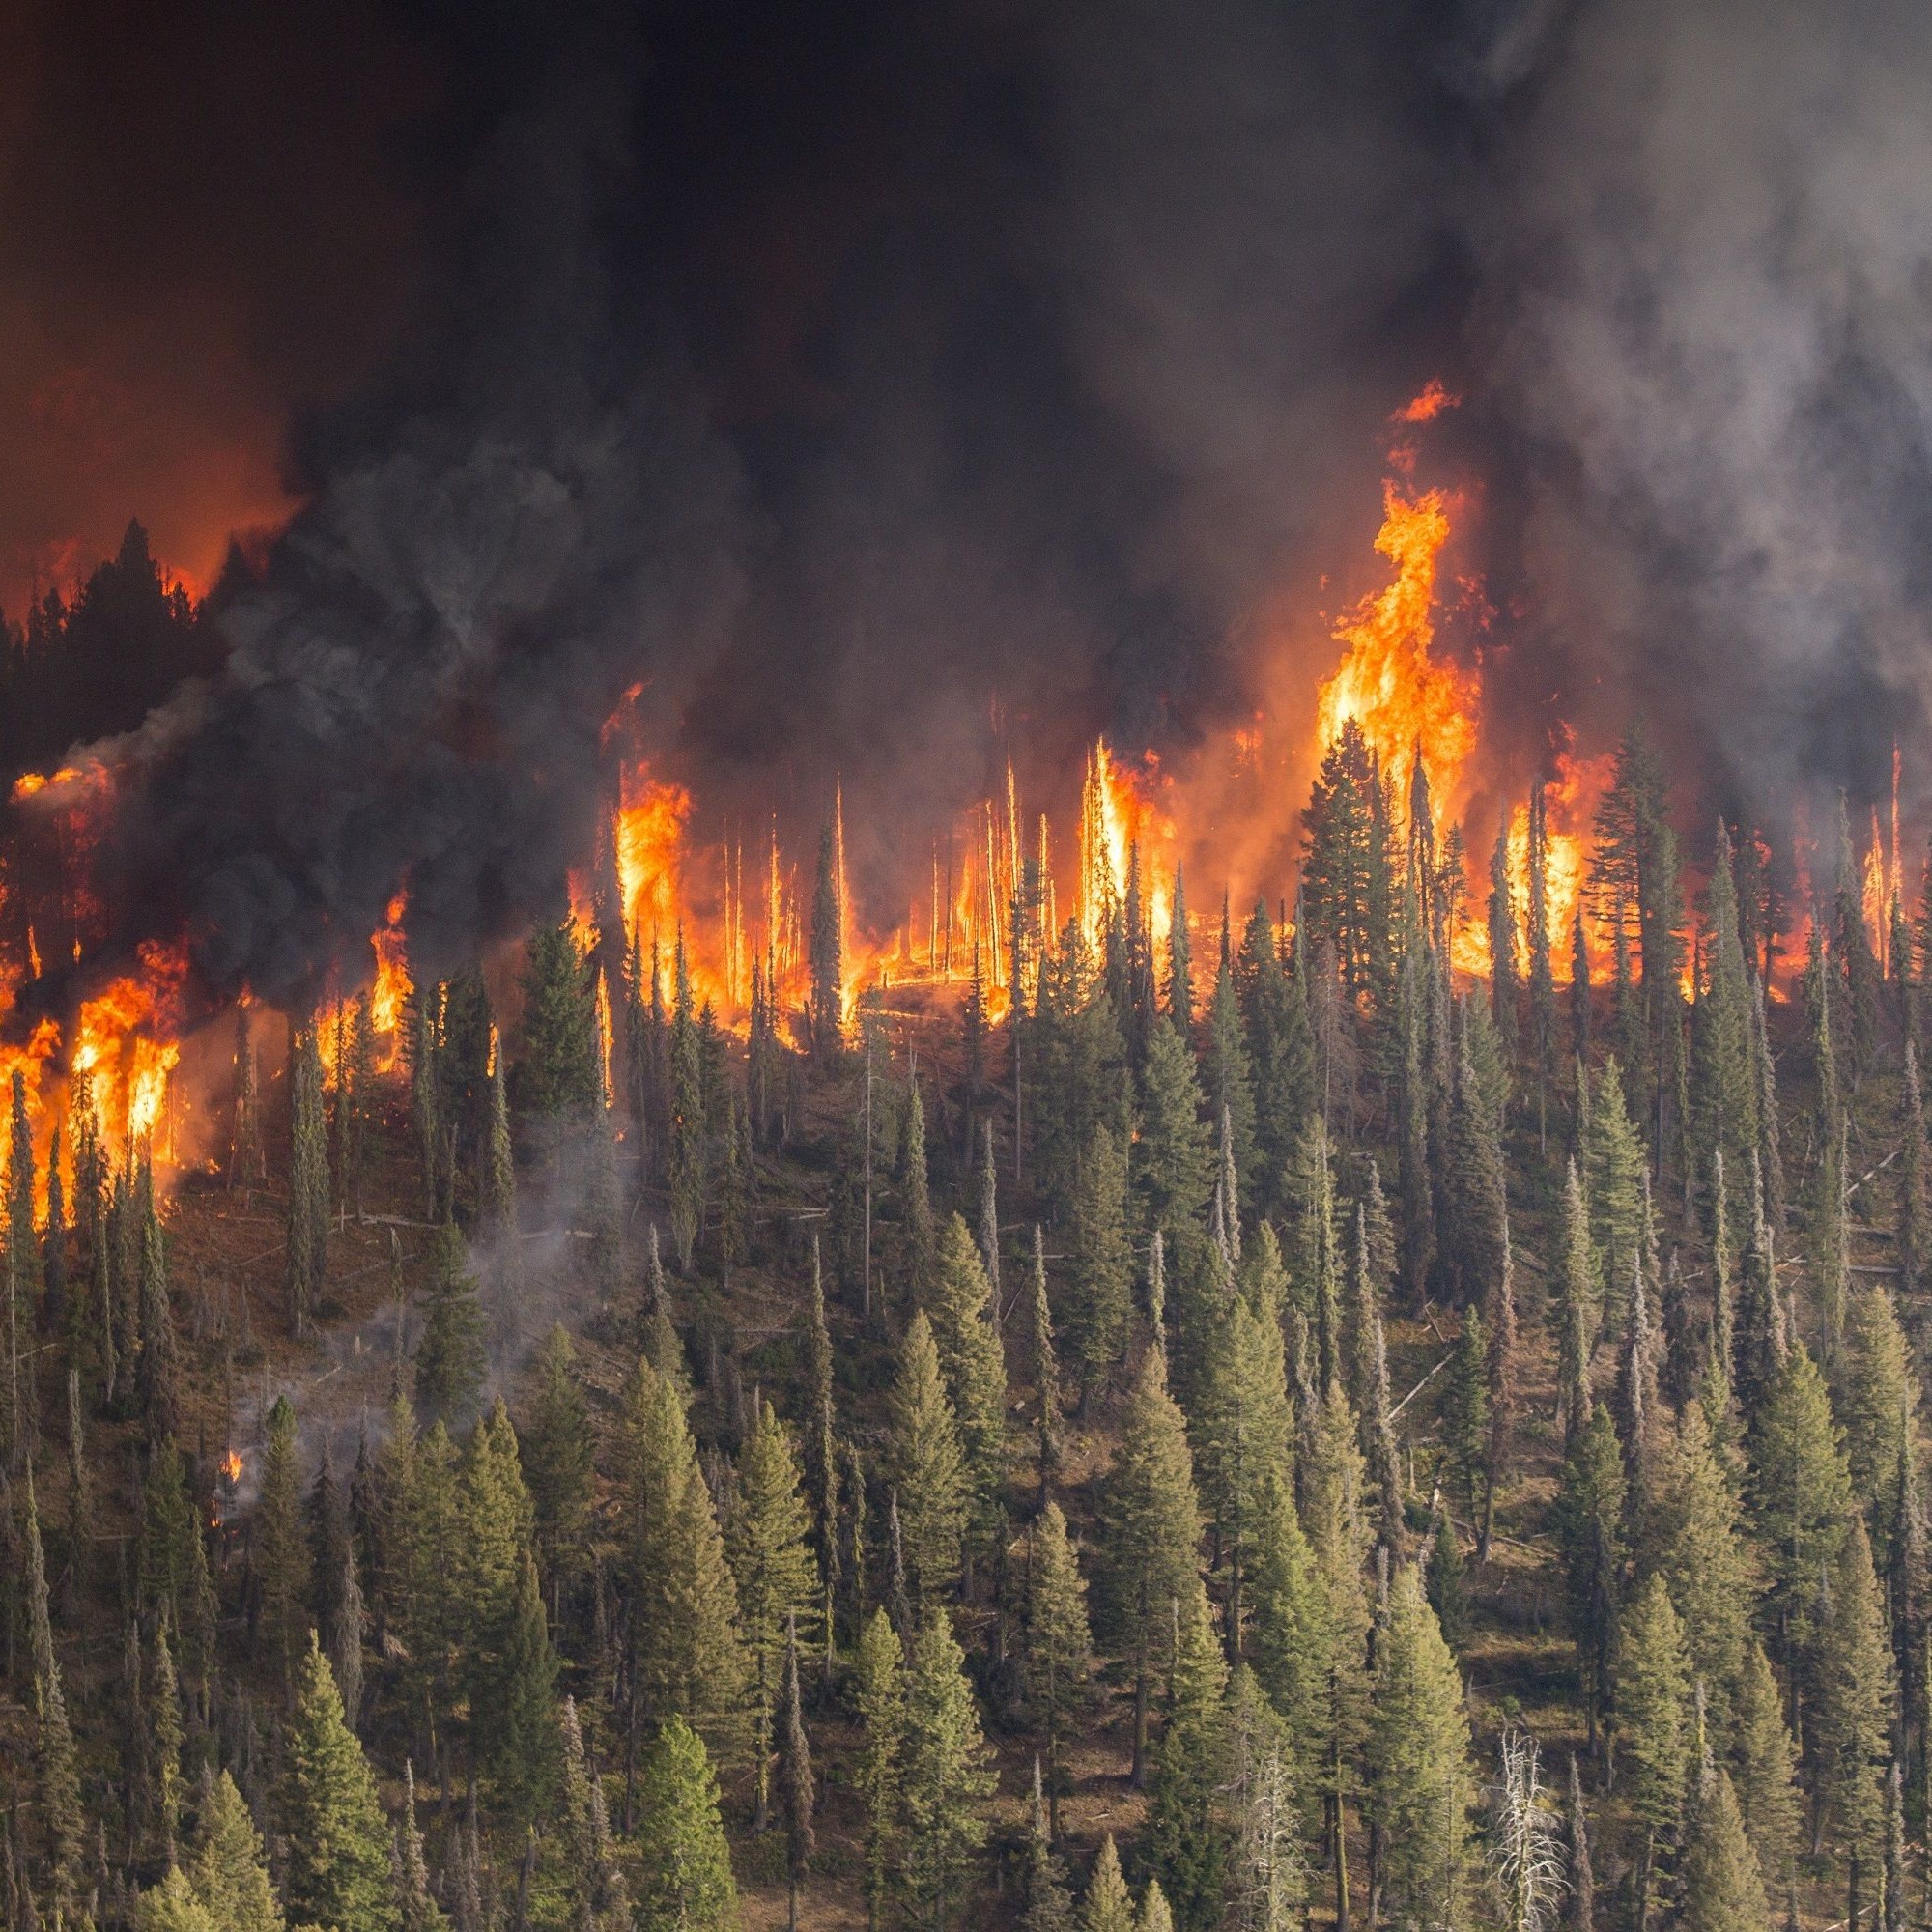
[(1057, 1645), (451, 1360), (1653, 1722), (1107, 1905), (880, 1697), (556, 1445), (1724, 1890), (157, 1372), (765, 1538), (416, 1910), (974, 1366), (1851, 1720), (1292, 1635), (1500, 1450), (928, 1465), (1045, 1366), (944, 1778), (1878, 1393), (1914, 1183), (687, 1658), (600, 1900), (1152, 1529), (1613, 1168), (1171, 1149), (1702, 1555), (1420, 1779), (308, 1179), (1048, 1906), (1244, 1435), (685, 1881), (1590, 1528), (1100, 1283), (1575, 1314), (916, 1202), (229, 1869), (336, 1840), (280, 1548), (559, 1064), (1465, 1411), (56, 1764), (1185, 1837), (798, 1791), (1800, 1498), (1228, 1078), (1763, 1763)]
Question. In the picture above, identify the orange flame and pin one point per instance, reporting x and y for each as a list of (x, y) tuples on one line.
[(1387, 683), (393, 986)]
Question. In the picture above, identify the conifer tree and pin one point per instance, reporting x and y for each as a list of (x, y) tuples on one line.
[(336, 1841), (944, 1773), (1315, 1258), (1153, 1528), (1045, 1366), (1057, 1646), (1293, 1636), (1581, 1913), (1476, 1217), (1613, 1168), (308, 1179), (1171, 1149), (157, 1366), (1445, 1584), (451, 1358), (1465, 1409), (1228, 1079), (1702, 1555), (556, 1447), (1185, 1838), (987, 1233), (687, 1656), (797, 1787), (684, 1871), (1764, 1764), (927, 1465), (1575, 1316), (1801, 1501), (1048, 1906), (974, 1366), (281, 1551), (229, 1870), (1107, 1905), (777, 1582), (56, 1764), (1499, 1450), (416, 1910), (1654, 1722), (916, 1202), (1178, 1003), (1420, 1779), (1724, 1890), (1851, 1721), (1914, 1182), (879, 1693), (600, 1899), (556, 1072), (1099, 1284), (1877, 1396), (499, 1170), (1504, 982), (170, 1906), (1155, 1915), (1589, 1525), (1243, 1435)]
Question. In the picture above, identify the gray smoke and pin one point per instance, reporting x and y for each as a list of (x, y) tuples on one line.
[(1044, 356)]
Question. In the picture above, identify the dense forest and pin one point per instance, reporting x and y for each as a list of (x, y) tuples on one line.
[(1248, 1429)]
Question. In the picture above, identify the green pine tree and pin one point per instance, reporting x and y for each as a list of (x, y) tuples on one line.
[(1187, 1840), (1057, 1645), (880, 1697), (1152, 1529), (336, 1839), (945, 1777), (688, 1656), (766, 1539), (281, 1551), (557, 1447), (974, 1366), (229, 1869), (1099, 1284), (451, 1360), (928, 1465), (1724, 1890), (1420, 1779), (1654, 1722), (685, 1881), (1107, 1905)]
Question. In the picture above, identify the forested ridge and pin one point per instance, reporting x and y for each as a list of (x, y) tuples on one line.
[(1249, 1429)]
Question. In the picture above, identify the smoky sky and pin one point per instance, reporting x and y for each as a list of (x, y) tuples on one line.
[(880, 386)]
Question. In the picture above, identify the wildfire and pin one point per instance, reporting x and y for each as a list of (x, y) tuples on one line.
[(231, 1466), (1119, 823), (393, 986), (125, 1048), (1388, 683)]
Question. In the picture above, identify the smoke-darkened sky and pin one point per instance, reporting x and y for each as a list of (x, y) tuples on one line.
[(845, 371)]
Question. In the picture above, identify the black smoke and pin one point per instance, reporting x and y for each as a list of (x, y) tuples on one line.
[(880, 385)]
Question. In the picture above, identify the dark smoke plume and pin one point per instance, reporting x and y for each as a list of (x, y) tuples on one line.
[(839, 374)]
